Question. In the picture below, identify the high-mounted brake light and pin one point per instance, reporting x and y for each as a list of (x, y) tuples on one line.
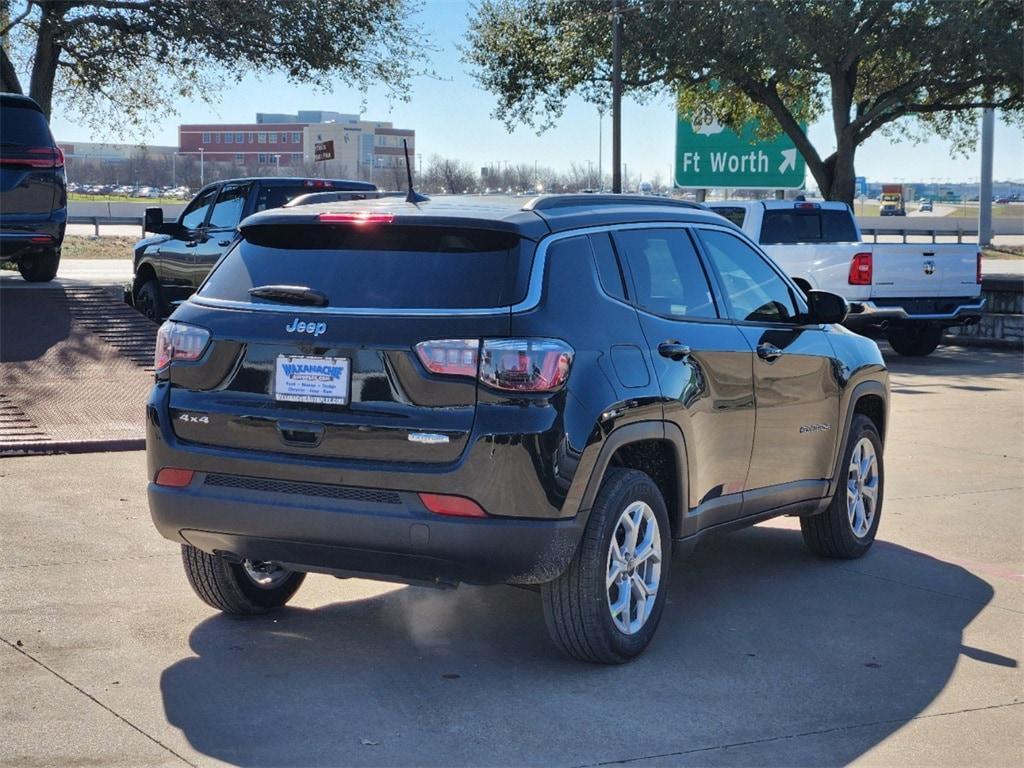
[(807, 206), (861, 269), (356, 217), (179, 342), (37, 157), (977, 269), (452, 506), (318, 184)]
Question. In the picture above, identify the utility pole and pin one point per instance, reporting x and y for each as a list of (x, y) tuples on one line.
[(988, 122), (202, 168), (616, 96), (600, 146)]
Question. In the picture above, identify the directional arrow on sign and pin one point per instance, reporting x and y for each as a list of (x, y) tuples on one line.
[(788, 160)]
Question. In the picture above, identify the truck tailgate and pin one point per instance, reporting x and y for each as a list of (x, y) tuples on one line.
[(923, 269)]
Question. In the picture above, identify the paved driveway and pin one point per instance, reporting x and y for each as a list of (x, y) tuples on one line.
[(765, 655)]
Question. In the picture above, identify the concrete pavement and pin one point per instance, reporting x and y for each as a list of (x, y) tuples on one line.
[(765, 655)]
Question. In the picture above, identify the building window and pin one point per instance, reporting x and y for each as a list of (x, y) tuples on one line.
[(284, 138), (296, 137), (239, 138), (229, 138), (262, 158), (206, 137), (239, 157), (252, 138), (261, 138), (272, 138), (296, 157), (216, 138)]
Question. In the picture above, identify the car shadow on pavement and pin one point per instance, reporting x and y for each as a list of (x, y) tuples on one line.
[(760, 642)]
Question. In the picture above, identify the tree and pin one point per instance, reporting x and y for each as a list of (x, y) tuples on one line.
[(446, 175), (890, 65), (130, 58)]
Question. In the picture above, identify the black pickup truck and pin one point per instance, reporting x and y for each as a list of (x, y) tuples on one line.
[(170, 266)]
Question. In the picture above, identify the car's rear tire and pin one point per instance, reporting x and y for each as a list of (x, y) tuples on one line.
[(847, 528), (149, 300), (40, 267), (237, 587), (917, 340), (630, 576)]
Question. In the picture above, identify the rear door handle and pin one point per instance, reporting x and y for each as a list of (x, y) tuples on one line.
[(768, 352), (673, 350)]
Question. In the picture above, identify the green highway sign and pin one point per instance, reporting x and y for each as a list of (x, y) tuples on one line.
[(713, 156)]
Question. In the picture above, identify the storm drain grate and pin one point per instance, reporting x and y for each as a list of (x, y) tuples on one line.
[(16, 429), (130, 333), (322, 490)]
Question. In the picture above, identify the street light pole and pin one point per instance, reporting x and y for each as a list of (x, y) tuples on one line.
[(988, 121), (202, 168), (616, 96), (600, 146)]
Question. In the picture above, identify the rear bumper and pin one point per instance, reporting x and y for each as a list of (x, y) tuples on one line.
[(21, 236), (395, 539), (942, 311)]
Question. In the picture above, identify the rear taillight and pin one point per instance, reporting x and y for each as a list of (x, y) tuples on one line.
[(450, 357), (172, 477), (861, 269), (525, 365), (179, 342), (356, 217), (513, 365), (452, 506), (36, 157), (977, 269)]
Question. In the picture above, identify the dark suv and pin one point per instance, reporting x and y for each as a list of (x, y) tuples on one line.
[(170, 266), (557, 394), (33, 190)]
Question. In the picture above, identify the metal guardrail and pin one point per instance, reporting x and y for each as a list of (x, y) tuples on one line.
[(958, 233), (96, 221)]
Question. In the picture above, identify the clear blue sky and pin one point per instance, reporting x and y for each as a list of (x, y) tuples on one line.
[(452, 117)]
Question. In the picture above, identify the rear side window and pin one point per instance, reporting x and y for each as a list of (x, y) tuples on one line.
[(733, 213), (608, 266), (23, 126), (668, 278), (813, 226), (380, 267)]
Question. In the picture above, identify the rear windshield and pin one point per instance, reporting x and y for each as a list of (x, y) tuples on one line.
[(276, 195), (23, 126), (380, 267), (812, 226), (734, 214)]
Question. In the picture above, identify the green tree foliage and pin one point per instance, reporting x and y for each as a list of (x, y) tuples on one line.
[(913, 66), (130, 59)]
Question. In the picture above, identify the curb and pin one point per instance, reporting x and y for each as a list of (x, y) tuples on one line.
[(982, 341), (41, 447)]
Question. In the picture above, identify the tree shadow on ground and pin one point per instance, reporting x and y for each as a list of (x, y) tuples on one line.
[(759, 641)]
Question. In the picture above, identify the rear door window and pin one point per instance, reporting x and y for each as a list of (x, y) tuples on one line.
[(385, 267), (668, 278)]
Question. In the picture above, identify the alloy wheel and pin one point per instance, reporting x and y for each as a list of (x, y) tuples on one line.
[(633, 567)]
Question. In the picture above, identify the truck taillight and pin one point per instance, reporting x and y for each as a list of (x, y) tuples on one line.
[(861, 269), (179, 342), (977, 269), (512, 365)]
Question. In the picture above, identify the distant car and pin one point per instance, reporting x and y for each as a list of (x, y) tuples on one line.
[(1003, 200), (33, 190), (925, 205), (169, 268)]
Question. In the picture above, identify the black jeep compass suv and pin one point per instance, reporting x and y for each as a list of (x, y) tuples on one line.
[(557, 394)]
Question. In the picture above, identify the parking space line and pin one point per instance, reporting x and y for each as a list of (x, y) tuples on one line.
[(96, 701)]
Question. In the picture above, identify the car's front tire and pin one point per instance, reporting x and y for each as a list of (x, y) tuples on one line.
[(40, 267), (847, 528), (607, 604), (245, 588), (918, 340)]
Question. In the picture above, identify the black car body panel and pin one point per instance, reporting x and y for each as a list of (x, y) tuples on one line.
[(736, 417), (33, 183)]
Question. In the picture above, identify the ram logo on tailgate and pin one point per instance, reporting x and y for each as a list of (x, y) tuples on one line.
[(299, 326)]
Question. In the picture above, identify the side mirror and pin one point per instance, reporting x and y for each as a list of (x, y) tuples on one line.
[(827, 308), (153, 221)]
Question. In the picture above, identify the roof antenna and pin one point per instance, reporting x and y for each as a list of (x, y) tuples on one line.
[(413, 196)]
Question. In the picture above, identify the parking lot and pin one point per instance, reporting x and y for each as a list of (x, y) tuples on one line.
[(766, 655)]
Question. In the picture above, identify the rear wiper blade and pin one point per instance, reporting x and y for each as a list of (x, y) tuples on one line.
[(290, 294)]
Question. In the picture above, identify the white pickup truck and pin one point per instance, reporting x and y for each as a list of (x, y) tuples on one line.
[(908, 292)]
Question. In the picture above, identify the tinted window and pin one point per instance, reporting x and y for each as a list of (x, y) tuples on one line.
[(195, 214), (734, 214), (811, 226), (667, 275), (23, 126), (387, 266), (228, 210), (608, 266), (278, 195), (755, 292)]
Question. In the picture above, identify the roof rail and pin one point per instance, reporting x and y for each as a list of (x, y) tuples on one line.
[(551, 202)]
